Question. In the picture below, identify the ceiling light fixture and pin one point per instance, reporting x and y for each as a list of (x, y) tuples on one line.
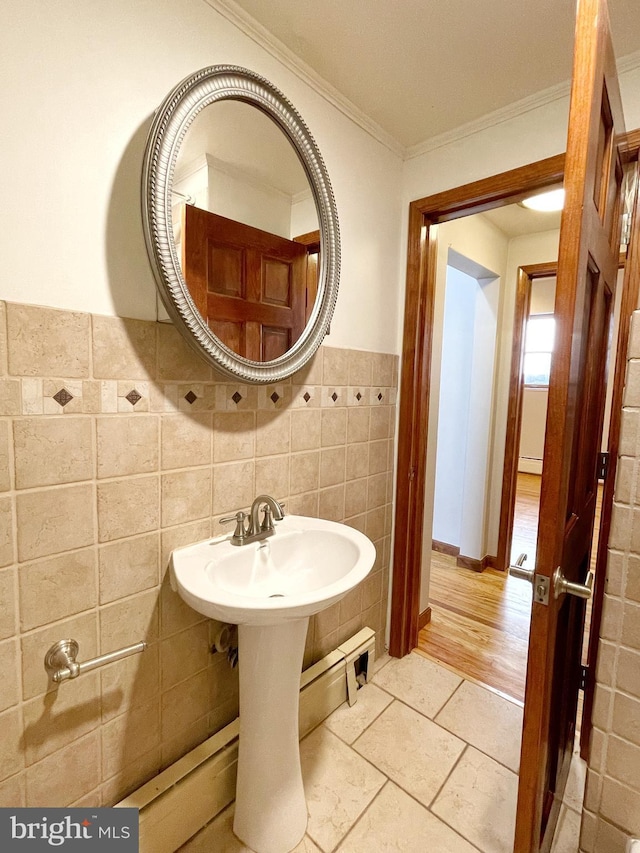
[(545, 202)]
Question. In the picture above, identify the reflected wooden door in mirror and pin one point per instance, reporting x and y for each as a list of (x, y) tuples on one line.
[(248, 267), (248, 284)]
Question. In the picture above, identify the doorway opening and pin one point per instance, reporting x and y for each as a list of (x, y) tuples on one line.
[(535, 356), (481, 623), (429, 218)]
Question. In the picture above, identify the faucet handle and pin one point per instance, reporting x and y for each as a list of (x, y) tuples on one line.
[(240, 532), (267, 518)]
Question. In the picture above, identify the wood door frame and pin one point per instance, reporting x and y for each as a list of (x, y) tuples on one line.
[(526, 276), (425, 213)]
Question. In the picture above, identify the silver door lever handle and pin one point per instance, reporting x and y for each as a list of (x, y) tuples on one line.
[(561, 585), (518, 570)]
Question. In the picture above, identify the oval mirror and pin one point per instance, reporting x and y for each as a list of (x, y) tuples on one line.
[(240, 224)]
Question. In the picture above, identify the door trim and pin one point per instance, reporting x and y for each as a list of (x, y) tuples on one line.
[(424, 214), (526, 275)]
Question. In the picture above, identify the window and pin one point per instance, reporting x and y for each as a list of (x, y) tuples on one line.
[(538, 346)]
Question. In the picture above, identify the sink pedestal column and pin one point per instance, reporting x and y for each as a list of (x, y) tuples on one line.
[(271, 810)]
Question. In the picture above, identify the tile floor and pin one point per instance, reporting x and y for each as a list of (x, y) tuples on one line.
[(424, 761)]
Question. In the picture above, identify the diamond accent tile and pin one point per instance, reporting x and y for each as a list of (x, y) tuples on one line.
[(63, 397), (306, 396), (133, 397), (190, 397), (380, 396), (275, 397), (334, 396), (358, 396), (236, 397)]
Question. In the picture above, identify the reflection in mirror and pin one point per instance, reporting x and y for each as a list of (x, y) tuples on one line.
[(246, 229), (240, 224)]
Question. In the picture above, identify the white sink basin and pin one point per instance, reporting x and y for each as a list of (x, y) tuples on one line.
[(270, 589), (306, 565)]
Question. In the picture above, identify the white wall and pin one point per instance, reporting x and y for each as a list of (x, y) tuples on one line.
[(465, 405), (253, 204), (534, 425), (454, 404), (303, 216), (218, 191), (474, 154), (543, 295), (80, 84), (475, 509)]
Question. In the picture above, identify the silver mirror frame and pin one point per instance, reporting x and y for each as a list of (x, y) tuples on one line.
[(171, 122)]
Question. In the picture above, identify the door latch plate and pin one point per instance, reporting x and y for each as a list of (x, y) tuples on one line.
[(541, 589)]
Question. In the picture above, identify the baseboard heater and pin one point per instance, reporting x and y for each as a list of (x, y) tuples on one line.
[(529, 465), (178, 802)]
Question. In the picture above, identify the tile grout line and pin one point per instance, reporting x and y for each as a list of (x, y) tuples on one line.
[(447, 778), (366, 728), (444, 820), (398, 784), (446, 702), (434, 721), (457, 761), (421, 804), (361, 815)]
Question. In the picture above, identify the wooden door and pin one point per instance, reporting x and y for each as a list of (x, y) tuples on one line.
[(526, 277), (311, 241), (249, 285), (587, 272)]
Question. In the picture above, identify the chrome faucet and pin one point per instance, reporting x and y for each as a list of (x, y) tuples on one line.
[(249, 528)]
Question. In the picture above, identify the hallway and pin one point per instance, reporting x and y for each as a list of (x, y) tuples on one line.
[(480, 621)]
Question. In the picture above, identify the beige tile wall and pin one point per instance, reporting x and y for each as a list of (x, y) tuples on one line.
[(105, 466), (612, 801)]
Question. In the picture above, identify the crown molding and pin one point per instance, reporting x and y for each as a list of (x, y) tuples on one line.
[(511, 111), (265, 39), (261, 36)]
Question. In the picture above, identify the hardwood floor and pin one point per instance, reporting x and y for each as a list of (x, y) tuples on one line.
[(525, 522), (480, 621), (479, 624)]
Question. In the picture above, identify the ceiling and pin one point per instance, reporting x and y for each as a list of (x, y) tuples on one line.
[(421, 68), (515, 220)]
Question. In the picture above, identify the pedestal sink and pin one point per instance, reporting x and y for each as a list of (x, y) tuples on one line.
[(270, 589)]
